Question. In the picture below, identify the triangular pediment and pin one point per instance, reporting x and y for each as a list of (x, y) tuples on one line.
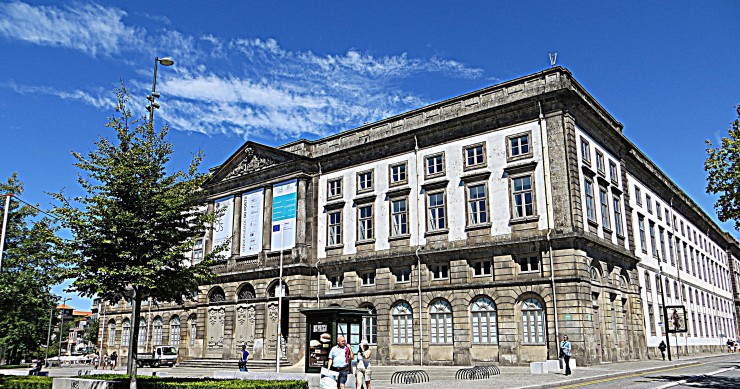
[(250, 158)]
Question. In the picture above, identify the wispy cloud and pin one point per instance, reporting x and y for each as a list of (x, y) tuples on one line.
[(99, 99), (248, 87)]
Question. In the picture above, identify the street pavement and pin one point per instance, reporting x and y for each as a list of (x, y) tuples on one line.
[(605, 375)]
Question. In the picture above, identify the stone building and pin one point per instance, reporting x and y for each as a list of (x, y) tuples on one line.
[(477, 229)]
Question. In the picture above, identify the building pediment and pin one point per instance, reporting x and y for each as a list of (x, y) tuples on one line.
[(250, 158)]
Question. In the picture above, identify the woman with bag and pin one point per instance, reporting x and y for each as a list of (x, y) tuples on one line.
[(363, 372)]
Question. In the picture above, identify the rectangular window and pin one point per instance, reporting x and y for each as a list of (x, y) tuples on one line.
[(519, 145), (365, 222), (657, 211), (529, 264), (435, 165), (475, 155), (403, 275), (364, 181), (198, 251), (590, 206), (398, 173), (641, 227), (651, 315), (638, 196), (440, 272), (477, 208), (661, 236), (368, 278), (670, 249), (600, 165), (334, 188), (683, 232), (585, 152), (482, 268), (523, 197), (668, 217), (399, 217), (337, 281), (648, 203), (613, 175), (604, 200), (436, 211), (335, 228), (617, 204), (653, 243)]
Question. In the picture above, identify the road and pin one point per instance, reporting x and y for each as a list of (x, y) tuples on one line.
[(721, 373)]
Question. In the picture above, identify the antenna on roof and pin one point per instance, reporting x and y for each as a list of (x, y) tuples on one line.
[(553, 58)]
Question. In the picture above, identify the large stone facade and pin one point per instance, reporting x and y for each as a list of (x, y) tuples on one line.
[(473, 230)]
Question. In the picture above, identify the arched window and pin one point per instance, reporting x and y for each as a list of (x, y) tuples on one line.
[(174, 331), (595, 275), (485, 324), (667, 288), (623, 282), (126, 334), (111, 333), (658, 285), (273, 289), (532, 322), (440, 316), (193, 329), (157, 331), (246, 292), (370, 325), (217, 295), (142, 332), (648, 283), (403, 324)]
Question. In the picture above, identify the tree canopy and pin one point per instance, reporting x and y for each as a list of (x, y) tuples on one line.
[(723, 168)]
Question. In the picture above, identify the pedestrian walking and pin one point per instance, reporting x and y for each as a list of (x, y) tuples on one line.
[(243, 358), (662, 348), (106, 359), (566, 350), (340, 358), (363, 374), (113, 360)]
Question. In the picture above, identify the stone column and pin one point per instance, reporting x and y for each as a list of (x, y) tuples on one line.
[(236, 228), (267, 220), (300, 223)]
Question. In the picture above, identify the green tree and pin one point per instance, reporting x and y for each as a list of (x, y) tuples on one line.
[(91, 332), (136, 222), (723, 167), (29, 268)]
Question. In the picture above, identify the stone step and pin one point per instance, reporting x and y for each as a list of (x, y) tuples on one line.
[(217, 363)]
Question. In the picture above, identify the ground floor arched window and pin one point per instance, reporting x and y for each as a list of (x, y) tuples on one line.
[(157, 331), (175, 330), (126, 334), (484, 319), (532, 322), (403, 324), (440, 317)]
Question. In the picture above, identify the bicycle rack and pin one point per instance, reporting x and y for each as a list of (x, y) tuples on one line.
[(409, 377), (477, 373)]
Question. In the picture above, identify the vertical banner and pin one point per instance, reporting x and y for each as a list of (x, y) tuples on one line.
[(284, 202), (252, 211), (223, 224)]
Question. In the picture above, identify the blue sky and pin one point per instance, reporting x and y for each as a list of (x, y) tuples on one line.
[(273, 72)]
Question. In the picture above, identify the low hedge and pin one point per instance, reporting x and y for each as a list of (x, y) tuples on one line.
[(148, 382), (26, 366), (25, 382)]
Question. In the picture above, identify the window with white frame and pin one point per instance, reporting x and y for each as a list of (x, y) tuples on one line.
[(337, 281), (485, 321), (335, 228), (519, 145), (198, 251), (193, 330), (590, 206), (402, 275), (435, 165), (365, 181), (585, 152), (436, 211), (440, 271), (157, 331), (365, 222), (528, 263), (617, 208), (370, 326), (440, 320), (638, 196), (334, 188), (657, 211), (112, 334), (175, 331), (523, 196), (475, 155), (403, 324), (368, 278), (648, 203), (613, 175), (477, 204), (532, 322), (604, 201), (482, 268), (126, 333), (600, 165), (399, 217), (398, 173), (142, 332)]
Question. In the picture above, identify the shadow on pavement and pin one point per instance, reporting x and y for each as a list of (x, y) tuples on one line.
[(702, 381)]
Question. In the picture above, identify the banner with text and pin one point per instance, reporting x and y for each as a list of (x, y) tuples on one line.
[(252, 211), (222, 225), (284, 203)]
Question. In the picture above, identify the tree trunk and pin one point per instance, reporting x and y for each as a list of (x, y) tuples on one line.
[(134, 340)]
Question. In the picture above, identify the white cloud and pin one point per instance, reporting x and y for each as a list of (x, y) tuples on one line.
[(250, 87), (98, 99)]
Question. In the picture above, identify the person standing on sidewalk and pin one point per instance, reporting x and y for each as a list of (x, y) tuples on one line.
[(364, 373), (566, 350), (662, 348), (340, 358)]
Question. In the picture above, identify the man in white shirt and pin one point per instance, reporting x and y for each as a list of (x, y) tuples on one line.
[(340, 357)]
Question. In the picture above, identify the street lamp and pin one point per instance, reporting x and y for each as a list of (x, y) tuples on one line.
[(61, 328), (166, 61), (5, 228)]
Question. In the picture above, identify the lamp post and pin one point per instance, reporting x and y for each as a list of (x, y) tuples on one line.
[(61, 328), (278, 351), (48, 337), (166, 61), (5, 228)]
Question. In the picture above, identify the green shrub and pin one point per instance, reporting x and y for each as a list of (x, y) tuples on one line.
[(148, 382), (26, 366), (25, 382)]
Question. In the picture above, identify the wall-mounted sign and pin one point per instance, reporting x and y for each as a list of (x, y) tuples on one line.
[(284, 204), (223, 224), (252, 211)]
